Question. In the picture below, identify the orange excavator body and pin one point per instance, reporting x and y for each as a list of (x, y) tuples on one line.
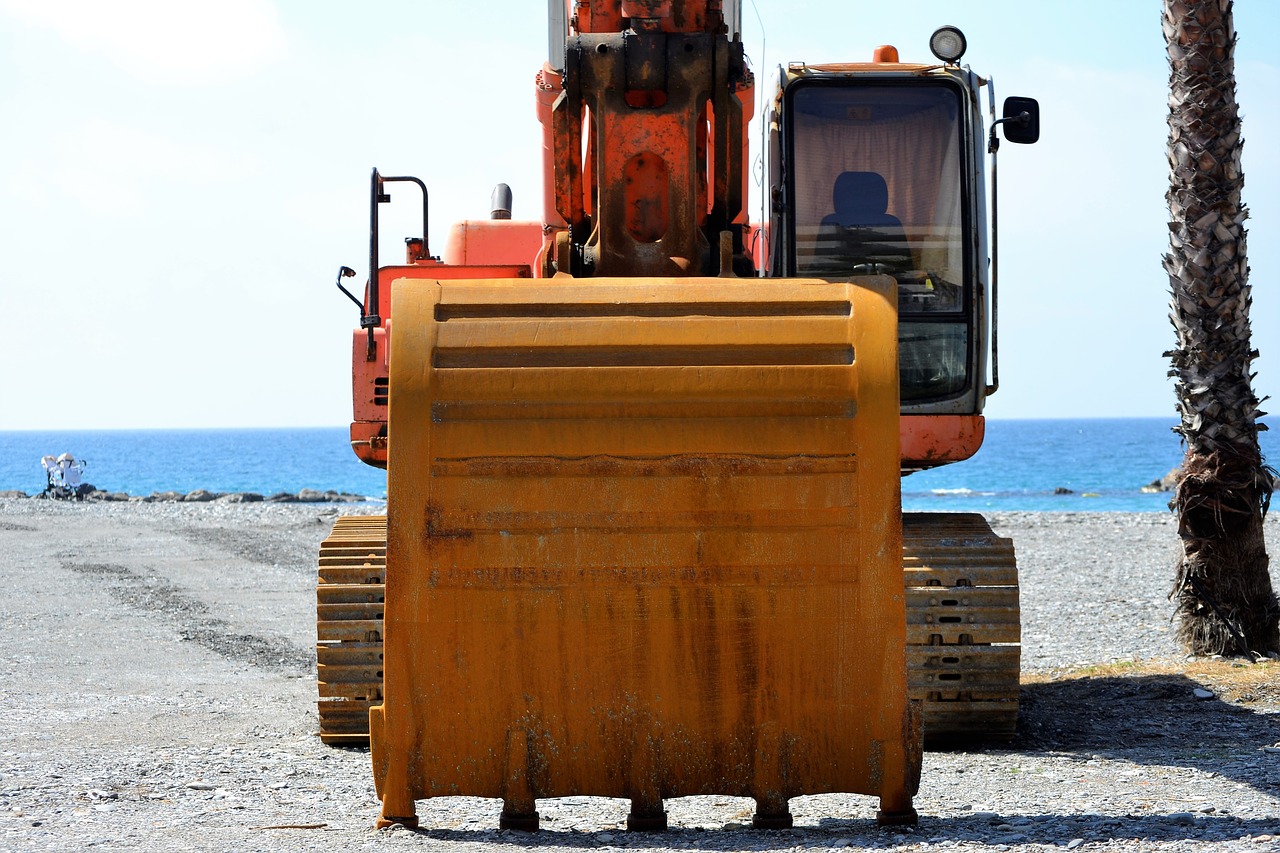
[(644, 534)]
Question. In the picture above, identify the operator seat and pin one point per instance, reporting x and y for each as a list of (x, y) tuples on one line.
[(861, 237)]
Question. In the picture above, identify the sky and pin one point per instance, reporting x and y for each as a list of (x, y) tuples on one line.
[(180, 182)]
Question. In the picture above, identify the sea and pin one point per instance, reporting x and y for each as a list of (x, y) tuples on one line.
[(1091, 465)]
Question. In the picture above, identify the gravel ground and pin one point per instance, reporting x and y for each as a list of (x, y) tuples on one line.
[(158, 694)]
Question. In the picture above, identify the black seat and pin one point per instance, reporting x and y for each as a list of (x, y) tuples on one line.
[(861, 237)]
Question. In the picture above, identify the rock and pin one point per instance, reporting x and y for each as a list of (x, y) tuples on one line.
[(1167, 483), (13, 494), (309, 496), (200, 786), (1074, 843), (1201, 693), (1182, 819), (204, 496)]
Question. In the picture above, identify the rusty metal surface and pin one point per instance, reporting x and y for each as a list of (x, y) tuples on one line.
[(648, 199), (932, 440), (968, 693), (616, 576)]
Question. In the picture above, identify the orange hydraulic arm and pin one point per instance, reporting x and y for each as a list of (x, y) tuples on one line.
[(644, 141)]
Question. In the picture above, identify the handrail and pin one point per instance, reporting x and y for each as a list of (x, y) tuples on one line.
[(370, 319)]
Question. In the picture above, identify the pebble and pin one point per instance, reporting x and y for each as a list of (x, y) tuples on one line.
[(1116, 769)]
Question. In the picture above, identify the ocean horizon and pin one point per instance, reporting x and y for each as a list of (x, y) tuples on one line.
[(1086, 465)]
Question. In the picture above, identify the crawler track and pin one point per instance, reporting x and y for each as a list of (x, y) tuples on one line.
[(963, 626), (963, 631), (349, 598)]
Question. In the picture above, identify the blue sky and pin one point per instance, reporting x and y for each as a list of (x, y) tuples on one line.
[(179, 183)]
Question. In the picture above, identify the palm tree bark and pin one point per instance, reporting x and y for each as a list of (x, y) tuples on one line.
[(1223, 592)]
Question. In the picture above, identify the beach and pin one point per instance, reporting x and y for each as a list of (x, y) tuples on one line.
[(158, 693)]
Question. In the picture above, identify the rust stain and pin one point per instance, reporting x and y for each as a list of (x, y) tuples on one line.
[(435, 530)]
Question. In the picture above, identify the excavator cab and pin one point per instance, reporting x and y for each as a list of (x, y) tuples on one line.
[(875, 184), (878, 168)]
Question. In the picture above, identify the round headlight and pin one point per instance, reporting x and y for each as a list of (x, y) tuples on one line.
[(948, 44)]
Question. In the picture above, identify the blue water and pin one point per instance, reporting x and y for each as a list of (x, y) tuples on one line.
[(1104, 463), (140, 462)]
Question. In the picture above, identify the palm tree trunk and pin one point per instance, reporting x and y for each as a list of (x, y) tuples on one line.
[(1223, 593)]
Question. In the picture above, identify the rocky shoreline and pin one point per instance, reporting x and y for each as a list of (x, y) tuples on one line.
[(303, 496)]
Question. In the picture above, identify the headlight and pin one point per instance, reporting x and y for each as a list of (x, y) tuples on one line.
[(948, 44)]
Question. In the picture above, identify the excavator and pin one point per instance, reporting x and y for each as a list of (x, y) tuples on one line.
[(644, 533)]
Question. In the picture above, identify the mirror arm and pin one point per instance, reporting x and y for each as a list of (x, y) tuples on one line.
[(348, 272)]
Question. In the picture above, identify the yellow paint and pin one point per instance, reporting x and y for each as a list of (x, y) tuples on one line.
[(663, 560)]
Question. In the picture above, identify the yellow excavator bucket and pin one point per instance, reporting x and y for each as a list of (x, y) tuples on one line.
[(644, 541)]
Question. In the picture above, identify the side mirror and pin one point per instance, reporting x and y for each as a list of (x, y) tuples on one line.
[(1021, 120)]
